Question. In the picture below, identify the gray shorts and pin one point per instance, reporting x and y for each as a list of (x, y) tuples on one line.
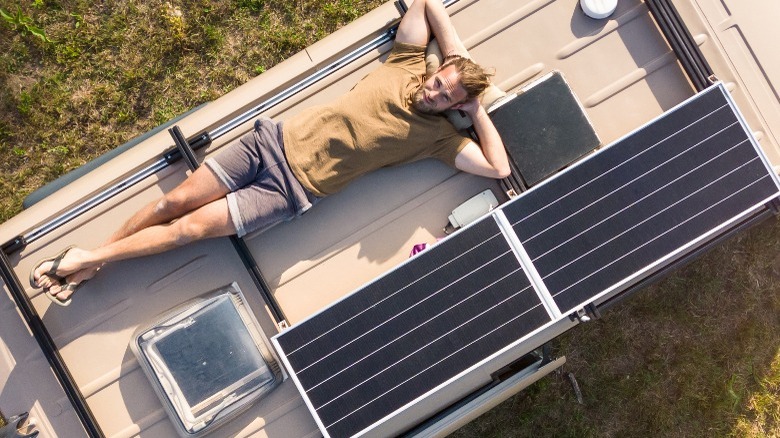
[(263, 189)]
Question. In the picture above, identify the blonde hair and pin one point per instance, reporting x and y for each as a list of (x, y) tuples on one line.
[(474, 79)]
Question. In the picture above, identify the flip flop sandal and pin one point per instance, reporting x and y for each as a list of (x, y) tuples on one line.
[(19, 426), (51, 272), (73, 287)]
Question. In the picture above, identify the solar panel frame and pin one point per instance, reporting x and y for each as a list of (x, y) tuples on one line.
[(506, 330), (716, 93), (554, 309)]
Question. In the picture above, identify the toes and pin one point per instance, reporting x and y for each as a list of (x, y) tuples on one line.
[(44, 267), (54, 289), (63, 294), (44, 281), (39, 277)]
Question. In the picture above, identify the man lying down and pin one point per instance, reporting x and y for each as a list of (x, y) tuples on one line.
[(279, 170)]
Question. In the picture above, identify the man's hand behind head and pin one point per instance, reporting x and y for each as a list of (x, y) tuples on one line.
[(469, 106)]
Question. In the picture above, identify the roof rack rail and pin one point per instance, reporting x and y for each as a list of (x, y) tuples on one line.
[(203, 139), (682, 43), (49, 349), (238, 243)]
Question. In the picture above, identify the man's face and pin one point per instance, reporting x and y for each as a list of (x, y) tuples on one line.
[(440, 92)]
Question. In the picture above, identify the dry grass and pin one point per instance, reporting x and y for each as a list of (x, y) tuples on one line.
[(696, 355), (113, 70)]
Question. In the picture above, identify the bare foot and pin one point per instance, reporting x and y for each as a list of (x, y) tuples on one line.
[(52, 272), (46, 282), (63, 291)]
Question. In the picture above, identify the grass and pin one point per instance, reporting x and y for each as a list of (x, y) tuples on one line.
[(79, 78), (695, 355)]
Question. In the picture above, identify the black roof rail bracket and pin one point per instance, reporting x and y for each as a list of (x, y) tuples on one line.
[(243, 251)]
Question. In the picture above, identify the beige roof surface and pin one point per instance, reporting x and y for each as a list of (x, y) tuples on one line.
[(621, 69)]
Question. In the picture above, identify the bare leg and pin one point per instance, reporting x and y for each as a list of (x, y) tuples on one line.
[(199, 189), (210, 220)]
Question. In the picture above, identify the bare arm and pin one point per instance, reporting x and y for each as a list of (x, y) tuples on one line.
[(429, 16), (488, 158)]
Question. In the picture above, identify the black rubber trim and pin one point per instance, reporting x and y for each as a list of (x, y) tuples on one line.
[(401, 6), (681, 41), (48, 348)]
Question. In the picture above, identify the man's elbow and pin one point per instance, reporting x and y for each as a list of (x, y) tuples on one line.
[(495, 173), (503, 171)]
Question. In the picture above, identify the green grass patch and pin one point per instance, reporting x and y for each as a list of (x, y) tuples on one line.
[(695, 355), (79, 78)]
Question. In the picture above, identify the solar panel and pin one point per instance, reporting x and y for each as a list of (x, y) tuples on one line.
[(649, 195), (613, 217), (412, 330)]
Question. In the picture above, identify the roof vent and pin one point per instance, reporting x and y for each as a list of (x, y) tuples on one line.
[(207, 360)]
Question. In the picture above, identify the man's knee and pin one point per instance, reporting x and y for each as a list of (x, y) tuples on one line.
[(200, 225), (187, 231), (172, 205), (199, 189), (161, 206)]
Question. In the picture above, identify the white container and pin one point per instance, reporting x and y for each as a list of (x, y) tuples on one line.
[(598, 9)]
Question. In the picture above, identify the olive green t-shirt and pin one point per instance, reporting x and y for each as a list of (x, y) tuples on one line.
[(371, 126)]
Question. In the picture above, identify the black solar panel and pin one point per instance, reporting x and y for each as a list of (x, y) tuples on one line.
[(611, 218), (413, 329), (642, 199)]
